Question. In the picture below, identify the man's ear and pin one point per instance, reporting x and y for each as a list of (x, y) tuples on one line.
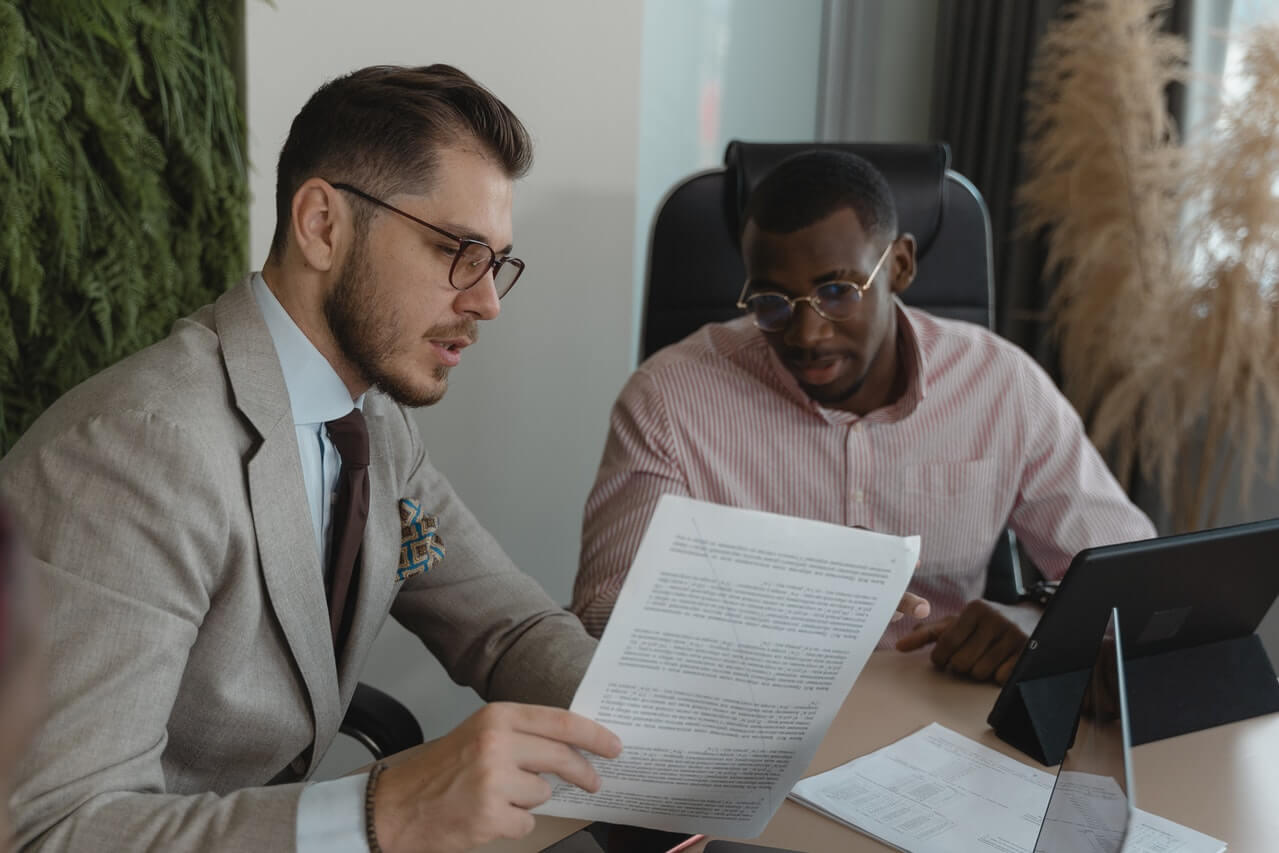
[(319, 224), (903, 262)]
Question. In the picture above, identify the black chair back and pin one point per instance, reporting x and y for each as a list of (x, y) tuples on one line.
[(695, 270)]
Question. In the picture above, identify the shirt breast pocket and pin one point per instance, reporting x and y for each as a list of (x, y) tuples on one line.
[(950, 479)]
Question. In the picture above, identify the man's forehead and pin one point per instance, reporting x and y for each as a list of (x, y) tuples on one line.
[(822, 244), (469, 196)]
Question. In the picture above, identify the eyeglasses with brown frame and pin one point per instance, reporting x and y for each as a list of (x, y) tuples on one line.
[(832, 300), (474, 258)]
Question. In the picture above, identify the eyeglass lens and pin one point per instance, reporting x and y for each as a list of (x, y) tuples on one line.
[(834, 301), (476, 259), (504, 278)]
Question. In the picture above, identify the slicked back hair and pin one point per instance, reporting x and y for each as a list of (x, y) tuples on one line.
[(380, 129), (808, 187)]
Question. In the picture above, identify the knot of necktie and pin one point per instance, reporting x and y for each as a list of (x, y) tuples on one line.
[(350, 435)]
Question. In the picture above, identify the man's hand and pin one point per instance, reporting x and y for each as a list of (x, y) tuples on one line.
[(478, 782), (912, 605), (980, 642)]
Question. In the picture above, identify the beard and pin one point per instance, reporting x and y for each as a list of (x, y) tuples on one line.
[(831, 394), (368, 333), (832, 398)]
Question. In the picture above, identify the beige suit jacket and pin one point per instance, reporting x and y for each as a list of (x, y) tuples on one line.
[(193, 677)]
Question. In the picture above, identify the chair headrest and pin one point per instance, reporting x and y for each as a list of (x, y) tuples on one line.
[(916, 172)]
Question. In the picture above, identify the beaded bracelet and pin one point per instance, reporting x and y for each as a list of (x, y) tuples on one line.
[(370, 831)]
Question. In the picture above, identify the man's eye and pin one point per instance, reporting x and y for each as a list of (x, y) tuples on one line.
[(475, 256), (450, 251), (835, 291)]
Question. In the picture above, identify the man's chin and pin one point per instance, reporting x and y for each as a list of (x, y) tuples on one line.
[(833, 393), (415, 395)]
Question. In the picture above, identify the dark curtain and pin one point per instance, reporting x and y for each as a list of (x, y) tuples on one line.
[(984, 49)]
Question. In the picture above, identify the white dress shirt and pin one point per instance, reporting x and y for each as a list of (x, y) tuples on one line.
[(330, 814)]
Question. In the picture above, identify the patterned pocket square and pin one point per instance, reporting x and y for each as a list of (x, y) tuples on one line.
[(420, 543)]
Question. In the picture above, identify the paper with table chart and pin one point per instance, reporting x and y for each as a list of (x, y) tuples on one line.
[(936, 791), (734, 641)]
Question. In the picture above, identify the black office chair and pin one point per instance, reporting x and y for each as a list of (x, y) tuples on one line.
[(380, 722), (695, 269)]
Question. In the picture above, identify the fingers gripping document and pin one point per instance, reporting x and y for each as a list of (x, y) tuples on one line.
[(735, 639)]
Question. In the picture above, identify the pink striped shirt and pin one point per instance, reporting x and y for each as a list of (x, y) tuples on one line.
[(980, 440)]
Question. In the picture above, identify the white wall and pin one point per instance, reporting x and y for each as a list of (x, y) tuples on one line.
[(522, 426), (713, 71)]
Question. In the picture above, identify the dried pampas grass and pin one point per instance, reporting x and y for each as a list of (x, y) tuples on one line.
[(1166, 258), (1231, 245)]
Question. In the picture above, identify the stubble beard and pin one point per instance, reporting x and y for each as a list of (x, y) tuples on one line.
[(366, 332), (829, 399)]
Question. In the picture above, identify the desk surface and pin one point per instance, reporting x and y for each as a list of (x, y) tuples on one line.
[(1222, 781)]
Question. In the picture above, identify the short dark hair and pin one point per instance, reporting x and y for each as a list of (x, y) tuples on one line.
[(380, 128), (808, 187)]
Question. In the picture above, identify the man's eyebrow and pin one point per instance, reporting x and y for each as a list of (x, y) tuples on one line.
[(842, 274), (468, 234)]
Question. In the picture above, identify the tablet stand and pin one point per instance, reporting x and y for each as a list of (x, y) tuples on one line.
[(1169, 694), (1040, 719), (1200, 687)]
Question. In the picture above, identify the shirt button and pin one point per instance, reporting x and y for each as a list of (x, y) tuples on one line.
[(859, 496), (859, 427)]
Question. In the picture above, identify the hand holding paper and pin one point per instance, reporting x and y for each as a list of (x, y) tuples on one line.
[(913, 605), (474, 784), (734, 641)]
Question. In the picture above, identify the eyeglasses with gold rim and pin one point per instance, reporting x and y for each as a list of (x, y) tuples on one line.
[(832, 300)]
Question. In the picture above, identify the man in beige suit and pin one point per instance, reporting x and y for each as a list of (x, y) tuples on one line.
[(179, 507)]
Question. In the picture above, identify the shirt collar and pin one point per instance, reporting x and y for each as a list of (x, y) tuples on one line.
[(316, 392), (911, 360)]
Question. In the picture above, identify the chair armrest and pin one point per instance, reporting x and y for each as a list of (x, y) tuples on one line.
[(380, 722), (1006, 576)]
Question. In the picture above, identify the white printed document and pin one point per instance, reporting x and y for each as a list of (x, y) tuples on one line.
[(936, 791), (735, 639)]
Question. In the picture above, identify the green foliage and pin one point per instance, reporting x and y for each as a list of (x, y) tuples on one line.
[(123, 188)]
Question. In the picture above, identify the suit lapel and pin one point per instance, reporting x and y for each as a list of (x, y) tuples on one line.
[(286, 540)]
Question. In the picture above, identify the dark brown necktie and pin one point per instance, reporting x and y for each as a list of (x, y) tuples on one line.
[(350, 511)]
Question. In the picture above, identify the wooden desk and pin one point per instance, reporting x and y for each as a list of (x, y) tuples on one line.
[(1222, 781)]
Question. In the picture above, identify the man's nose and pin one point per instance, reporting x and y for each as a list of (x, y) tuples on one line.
[(480, 299), (806, 326)]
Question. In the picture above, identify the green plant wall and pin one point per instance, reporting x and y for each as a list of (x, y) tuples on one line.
[(123, 190)]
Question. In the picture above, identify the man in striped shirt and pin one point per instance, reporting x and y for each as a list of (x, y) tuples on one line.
[(832, 400)]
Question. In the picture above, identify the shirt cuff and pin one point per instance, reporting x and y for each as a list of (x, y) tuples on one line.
[(331, 816)]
